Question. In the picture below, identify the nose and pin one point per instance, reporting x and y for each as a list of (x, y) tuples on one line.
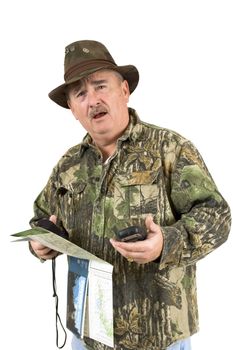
[(93, 98)]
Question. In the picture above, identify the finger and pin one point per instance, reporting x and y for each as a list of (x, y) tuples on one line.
[(118, 246), (151, 226), (149, 222), (52, 254), (36, 245), (138, 257), (46, 253), (126, 254), (43, 252), (130, 254), (53, 218), (129, 247)]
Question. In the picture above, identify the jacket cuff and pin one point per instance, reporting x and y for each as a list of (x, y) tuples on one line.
[(172, 247)]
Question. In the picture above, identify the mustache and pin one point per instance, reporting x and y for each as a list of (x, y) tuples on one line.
[(97, 110)]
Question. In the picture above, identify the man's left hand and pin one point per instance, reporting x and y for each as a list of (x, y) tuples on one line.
[(145, 251)]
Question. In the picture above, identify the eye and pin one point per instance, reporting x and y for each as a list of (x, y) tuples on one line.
[(101, 87), (80, 93)]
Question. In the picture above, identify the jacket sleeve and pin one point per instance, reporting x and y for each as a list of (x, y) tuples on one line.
[(45, 205), (203, 216)]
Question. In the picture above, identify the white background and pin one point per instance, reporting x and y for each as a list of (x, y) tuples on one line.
[(183, 50)]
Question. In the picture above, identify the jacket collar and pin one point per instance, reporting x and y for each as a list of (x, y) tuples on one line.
[(133, 132)]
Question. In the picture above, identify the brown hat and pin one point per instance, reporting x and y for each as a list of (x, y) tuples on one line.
[(86, 57)]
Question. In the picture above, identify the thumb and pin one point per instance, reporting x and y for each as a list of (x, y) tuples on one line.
[(53, 218), (150, 225)]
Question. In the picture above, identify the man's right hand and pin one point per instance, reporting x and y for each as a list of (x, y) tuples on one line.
[(42, 251)]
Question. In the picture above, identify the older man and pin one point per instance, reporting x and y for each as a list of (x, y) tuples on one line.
[(127, 172)]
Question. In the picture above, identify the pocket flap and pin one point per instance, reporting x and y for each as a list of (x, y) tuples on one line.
[(72, 187), (146, 177)]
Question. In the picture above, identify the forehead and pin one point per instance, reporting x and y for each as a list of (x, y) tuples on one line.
[(99, 76)]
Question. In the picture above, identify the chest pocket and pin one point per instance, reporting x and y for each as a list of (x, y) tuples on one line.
[(136, 195)]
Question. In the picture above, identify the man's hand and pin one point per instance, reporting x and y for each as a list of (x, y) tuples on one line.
[(40, 250), (145, 251)]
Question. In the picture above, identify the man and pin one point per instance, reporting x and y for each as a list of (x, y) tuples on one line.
[(124, 173)]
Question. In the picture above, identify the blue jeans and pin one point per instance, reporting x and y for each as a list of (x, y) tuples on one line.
[(181, 345), (78, 344)]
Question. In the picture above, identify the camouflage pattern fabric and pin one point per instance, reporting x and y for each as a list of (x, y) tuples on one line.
[(157, 171)]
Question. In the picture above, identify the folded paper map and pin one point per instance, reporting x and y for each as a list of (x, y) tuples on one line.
[(89, 287)]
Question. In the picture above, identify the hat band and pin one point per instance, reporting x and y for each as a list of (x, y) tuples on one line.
[(82, 68)]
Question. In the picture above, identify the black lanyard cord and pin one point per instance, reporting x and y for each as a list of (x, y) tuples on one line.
[(58, 318)]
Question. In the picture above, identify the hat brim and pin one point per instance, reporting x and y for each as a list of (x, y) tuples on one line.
[(129, 73)]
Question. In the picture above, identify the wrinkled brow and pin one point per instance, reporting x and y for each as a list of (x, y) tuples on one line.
[(97, 82), (77, 86)]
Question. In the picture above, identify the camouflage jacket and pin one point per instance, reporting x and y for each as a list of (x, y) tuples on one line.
[(157, 171)]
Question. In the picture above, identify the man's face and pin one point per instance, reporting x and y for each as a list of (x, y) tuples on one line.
[(99, 102)]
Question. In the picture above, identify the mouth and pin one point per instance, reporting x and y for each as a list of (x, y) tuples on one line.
[(99, 115)]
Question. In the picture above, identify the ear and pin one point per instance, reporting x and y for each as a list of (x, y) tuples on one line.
[(125, 89), (68, 103), (72, 109)]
